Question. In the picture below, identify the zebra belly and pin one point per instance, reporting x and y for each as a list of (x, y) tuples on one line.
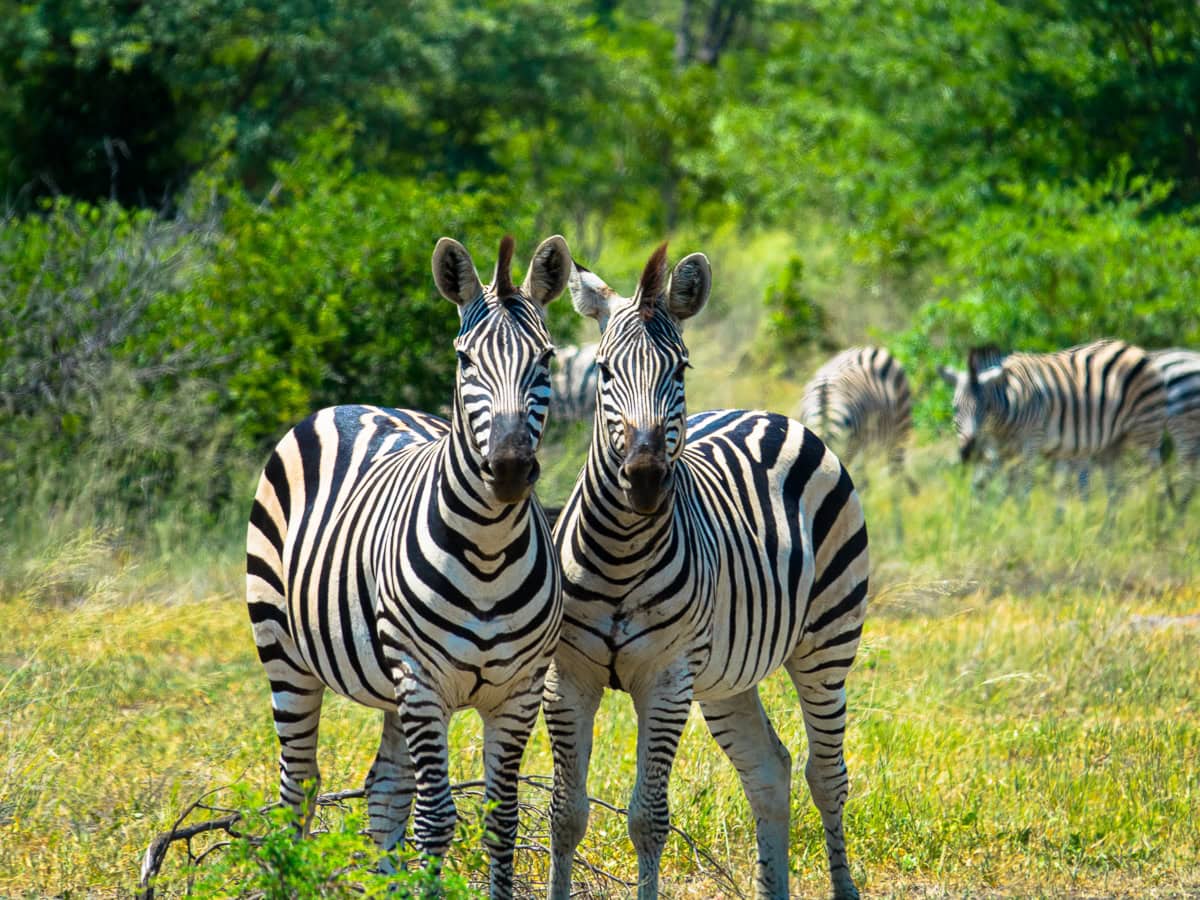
[(335, 650), (751, 638)]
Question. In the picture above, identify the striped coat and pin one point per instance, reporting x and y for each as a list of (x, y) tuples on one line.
[(860, 400), (573, 384), (401, 561), (699, 555), (1088, 402), (1180, 372)]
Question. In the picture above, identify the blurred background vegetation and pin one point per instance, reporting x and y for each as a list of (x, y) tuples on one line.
[(217, 216)]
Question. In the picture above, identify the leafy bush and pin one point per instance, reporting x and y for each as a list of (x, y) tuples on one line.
[(794, 324), (268, 860)]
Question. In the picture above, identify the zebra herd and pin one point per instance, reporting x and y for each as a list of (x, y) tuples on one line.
[(404, 561), (1080, 406)]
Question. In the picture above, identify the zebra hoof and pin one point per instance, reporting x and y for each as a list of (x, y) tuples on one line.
[(844, 889)]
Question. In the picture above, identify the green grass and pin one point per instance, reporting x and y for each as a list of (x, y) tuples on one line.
[(1017, 726)]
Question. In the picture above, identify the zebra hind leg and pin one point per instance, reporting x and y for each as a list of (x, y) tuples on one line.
[(506, 731), (570, 709), (296, 706), (390, 786), (823, 701), (741, 728)]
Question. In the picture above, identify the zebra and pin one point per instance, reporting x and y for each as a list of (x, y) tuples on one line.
[(1088, 402), (573, 383), (699, 554), (860, 399), (402, 561), (1180, 372)]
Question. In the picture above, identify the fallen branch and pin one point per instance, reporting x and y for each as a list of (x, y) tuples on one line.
[(156, 852)]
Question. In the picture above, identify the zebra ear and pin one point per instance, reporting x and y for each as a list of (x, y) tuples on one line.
[(548, 270), (591, 296), (690, 285), (988, 376), (949, 375), (454, 273)]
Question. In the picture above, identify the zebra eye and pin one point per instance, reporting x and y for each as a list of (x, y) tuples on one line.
[(605, 371), (465, 362), (547, 355), (683, 366)]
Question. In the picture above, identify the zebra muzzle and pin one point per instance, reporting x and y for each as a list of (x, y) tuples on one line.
[(645, 475), (511, 467), (966, 450)]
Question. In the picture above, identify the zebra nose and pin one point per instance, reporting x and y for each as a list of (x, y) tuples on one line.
[(511, 462), (645, 474)]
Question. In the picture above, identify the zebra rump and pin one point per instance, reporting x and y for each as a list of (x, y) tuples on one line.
[(1180, 372), (858, 400)]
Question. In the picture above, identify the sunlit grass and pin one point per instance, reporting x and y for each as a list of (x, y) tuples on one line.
[(1024, 718)]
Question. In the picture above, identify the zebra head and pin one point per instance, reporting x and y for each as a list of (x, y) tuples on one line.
[(502, 386), (640, 408), (978, 394)]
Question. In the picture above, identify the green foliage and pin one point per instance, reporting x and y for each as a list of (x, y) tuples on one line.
[(130, 100), (1055, 266), (268, 860), (794, 324)]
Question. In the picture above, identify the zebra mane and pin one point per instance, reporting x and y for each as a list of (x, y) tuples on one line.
[(652, 283), (502, 285)]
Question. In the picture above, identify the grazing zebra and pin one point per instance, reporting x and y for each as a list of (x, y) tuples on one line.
[(402, 561), (698, 556), (573, 384), (1088, 402), (859, 400), (1180, 372)]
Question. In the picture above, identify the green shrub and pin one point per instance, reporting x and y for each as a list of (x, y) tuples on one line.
[(267, 860), (794, 324)]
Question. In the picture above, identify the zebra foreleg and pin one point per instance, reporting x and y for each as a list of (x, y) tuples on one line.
[(570, 709), (505, 734), (390, 786), (823, 700), (424, 718), (740, 726), (662, 711)]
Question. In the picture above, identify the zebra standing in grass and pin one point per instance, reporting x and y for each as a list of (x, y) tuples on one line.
[(573, 384), (1180, 372), (1085, 403), (858, 400), (402, 561), (700, 554)]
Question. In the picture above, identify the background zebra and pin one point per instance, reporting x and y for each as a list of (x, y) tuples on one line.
[(1084, 403), (402, 561), (698, 557), (1180, 372), (573, 383), (860, 400)]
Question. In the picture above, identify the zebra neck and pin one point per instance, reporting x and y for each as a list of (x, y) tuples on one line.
[(465, 503), (608, 520)]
